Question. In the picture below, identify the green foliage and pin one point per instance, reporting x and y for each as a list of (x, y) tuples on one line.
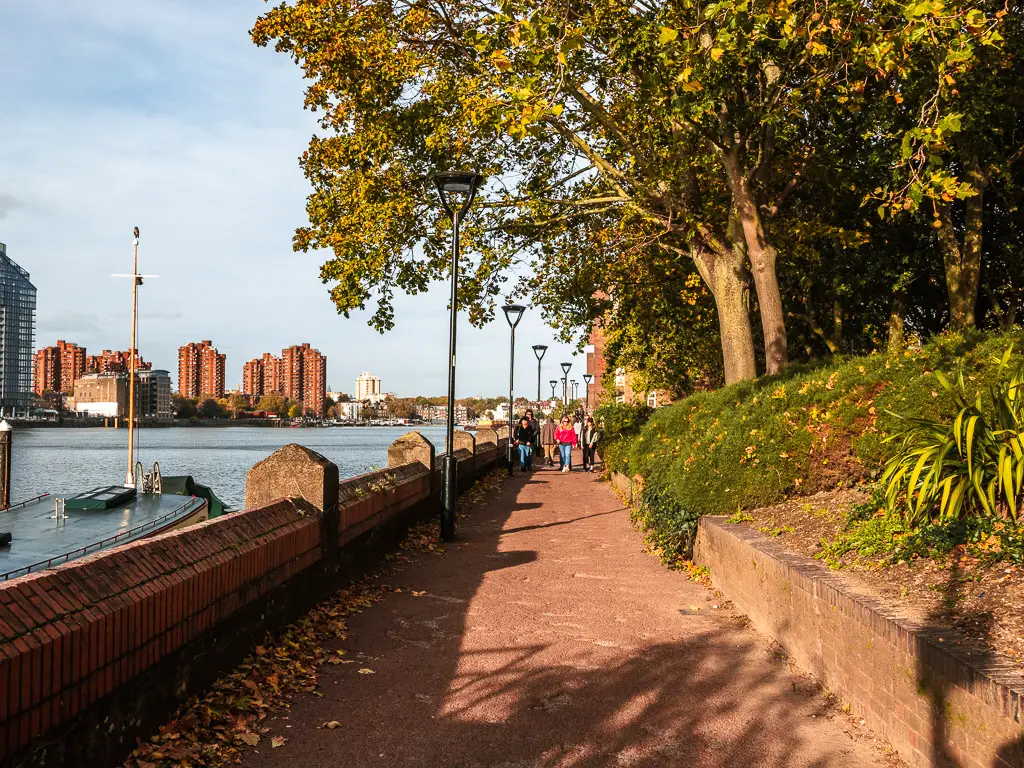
[(813, 428), (210, 409), (622, 419), (969, 462), (670, 528)]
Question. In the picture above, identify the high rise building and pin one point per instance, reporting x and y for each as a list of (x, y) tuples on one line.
[(291, 371), (368, 387), (200, 370), (17, 334), (55, 369), (271, 374), (314, 381), (252, 378)]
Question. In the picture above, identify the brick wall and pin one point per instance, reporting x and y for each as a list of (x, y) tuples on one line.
[(99, 651), (920, 686)]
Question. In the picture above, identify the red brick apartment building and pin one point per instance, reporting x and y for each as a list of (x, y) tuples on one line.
[(300, 375), (56, 368), (114, 362), (201, 370)]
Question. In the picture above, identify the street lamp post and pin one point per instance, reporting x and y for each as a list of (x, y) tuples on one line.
[(575, 384), (553, 383), (453, 184), (539, 350), (513, 313), (565, 385), (587, 378)]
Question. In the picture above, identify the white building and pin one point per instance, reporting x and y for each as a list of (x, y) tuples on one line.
[(349, 411), (500, 413), (368, 388)]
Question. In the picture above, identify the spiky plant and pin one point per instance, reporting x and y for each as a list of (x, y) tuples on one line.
[(968, 465)]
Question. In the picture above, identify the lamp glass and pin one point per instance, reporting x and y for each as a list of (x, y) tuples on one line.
[(553, 382), (566, 367), (513, 313), (539, 350), (588, 377)]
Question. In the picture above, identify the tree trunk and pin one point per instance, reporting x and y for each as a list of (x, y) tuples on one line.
[(897, 342), (963, 263), (723, 274), (762, 261)]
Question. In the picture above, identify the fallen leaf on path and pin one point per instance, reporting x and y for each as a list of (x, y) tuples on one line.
[(418, 594), (331, 724), (278, 741), (252, 739), (366, 671)]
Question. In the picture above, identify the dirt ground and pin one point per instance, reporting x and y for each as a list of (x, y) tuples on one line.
[(984, 601)]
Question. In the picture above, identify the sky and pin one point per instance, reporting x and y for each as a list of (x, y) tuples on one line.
[(164, 115)]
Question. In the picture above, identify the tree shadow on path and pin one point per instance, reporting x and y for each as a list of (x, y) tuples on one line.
[(561, 645)]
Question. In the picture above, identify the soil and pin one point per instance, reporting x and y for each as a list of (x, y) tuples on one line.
[(984, 601)]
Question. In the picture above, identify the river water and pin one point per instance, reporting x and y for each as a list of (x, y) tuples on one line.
[(69, 461)]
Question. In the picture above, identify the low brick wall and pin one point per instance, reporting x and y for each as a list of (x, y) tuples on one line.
[(918, 686), (99, 651)]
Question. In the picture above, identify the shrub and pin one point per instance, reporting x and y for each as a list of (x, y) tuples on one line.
[(621, 419), (967, 463), (670, 528)]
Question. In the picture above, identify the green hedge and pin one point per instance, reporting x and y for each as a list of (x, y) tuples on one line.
[(811, 428)]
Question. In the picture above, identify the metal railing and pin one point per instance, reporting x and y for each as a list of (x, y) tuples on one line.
[(42, 565), (26, 502)]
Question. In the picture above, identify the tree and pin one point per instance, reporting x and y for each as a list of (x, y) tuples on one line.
[(210, 409), (295, 411), (183, 407), (273, 402)]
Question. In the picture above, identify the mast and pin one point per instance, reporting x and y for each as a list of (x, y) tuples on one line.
[(130, 476)]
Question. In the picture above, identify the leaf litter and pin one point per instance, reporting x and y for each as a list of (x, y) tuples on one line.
[(211, 730)]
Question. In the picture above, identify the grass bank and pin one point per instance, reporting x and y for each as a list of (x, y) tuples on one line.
[(810, 429)]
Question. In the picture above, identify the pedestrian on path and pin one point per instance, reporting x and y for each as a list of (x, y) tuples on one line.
[(547, 441), (565, 436), (523, 438), (535, 443), (592, 435)]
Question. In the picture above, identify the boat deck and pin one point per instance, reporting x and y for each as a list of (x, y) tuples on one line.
[(40, 540)]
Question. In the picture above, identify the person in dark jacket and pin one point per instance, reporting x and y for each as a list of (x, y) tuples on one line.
[(547, 441), (523, 438), (535, 426), (590, 437)]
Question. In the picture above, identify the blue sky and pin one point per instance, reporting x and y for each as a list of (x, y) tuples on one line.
[(163, 114)]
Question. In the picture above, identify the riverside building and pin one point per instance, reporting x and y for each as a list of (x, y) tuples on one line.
[(201, 370), (55, 369), (300, 375), (17, 335), (368, 388)]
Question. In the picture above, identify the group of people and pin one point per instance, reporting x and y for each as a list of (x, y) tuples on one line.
[(548, 440)]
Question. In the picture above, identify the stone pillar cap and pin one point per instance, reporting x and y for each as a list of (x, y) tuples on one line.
[(5, 427)]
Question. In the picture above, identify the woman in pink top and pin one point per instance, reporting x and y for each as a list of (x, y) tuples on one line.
[(565, 436)]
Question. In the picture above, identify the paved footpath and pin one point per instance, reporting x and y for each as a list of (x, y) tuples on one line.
[(547, 637)]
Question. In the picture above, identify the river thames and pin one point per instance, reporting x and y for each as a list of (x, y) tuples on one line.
[(69, 461)]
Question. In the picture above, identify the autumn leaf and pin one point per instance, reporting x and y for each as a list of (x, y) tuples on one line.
[(667, 35), (366, 671), (278, 741), (331, 724), (252, 739)]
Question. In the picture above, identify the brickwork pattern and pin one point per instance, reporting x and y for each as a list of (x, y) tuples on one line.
[(72, 635), (924, 688)]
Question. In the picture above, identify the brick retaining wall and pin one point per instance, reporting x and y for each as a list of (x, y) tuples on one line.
[(919, 686), (99, 651)]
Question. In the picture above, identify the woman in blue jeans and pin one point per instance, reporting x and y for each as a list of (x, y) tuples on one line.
[(523, 438)]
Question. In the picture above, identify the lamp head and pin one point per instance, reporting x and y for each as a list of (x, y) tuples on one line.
[(539, 350), (588, 377), (513, 313), (553, 382), (452, 184), (566, 367)]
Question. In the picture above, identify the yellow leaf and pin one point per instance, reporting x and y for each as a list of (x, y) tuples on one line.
[(278, 741), (366, 671), (667, 35), (716, 54), (331, 724), (252, 739)]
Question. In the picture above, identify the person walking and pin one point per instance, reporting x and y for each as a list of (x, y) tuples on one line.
[(523, 438), (547, 441), (591, 436), (535, 445), (565, 436)]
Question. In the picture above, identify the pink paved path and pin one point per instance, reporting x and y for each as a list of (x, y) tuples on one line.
[(547, 637)]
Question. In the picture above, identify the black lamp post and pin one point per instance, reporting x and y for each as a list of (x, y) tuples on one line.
[(539, 350), (513, 313), (575, 384), (565, 380), (451, 186), (553, 383), (587, 378)]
